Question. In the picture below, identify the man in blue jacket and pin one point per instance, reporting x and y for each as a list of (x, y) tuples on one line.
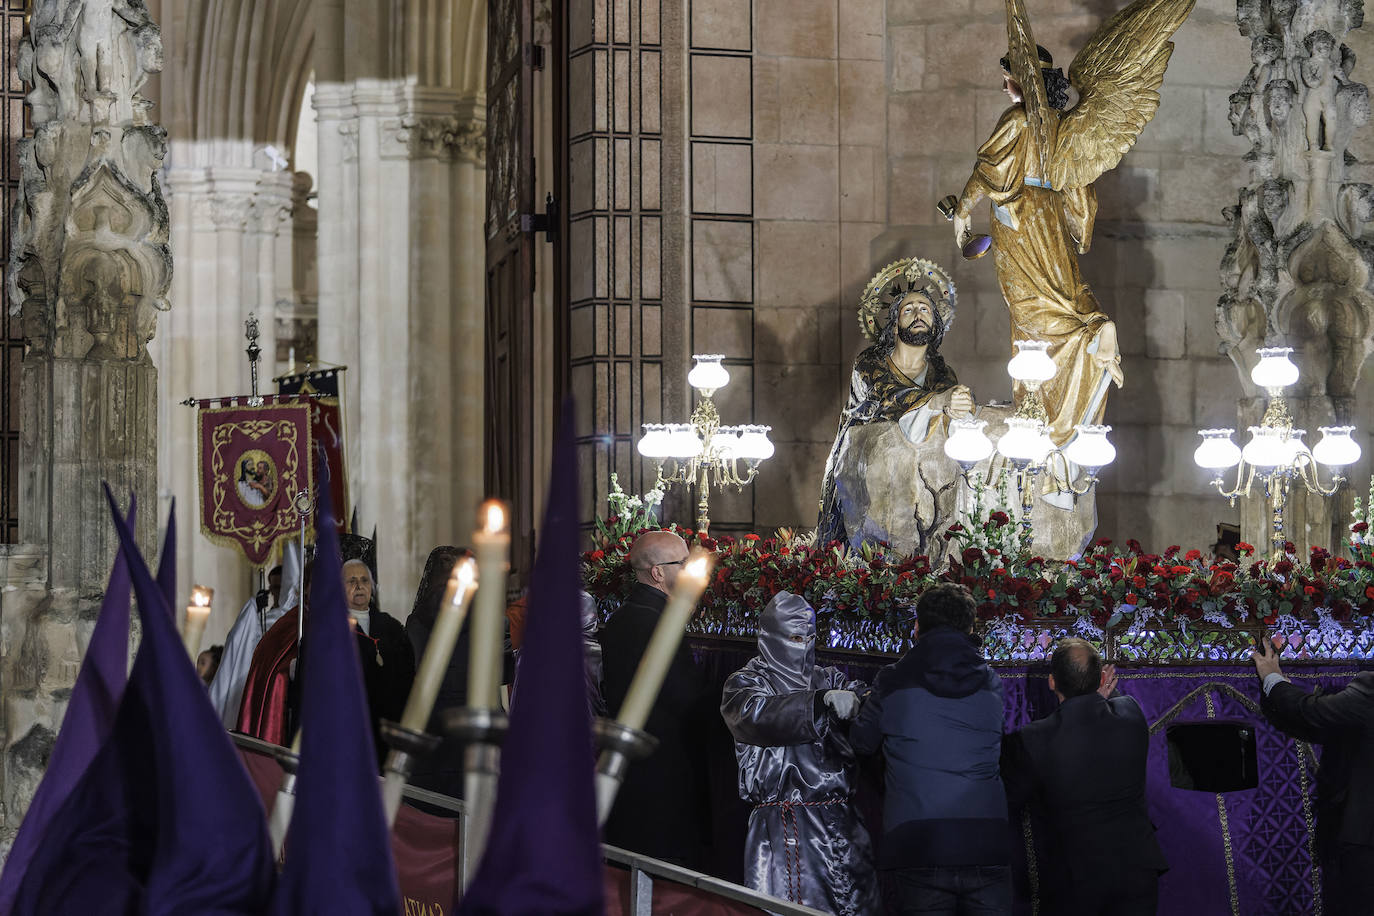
[(937, 716)]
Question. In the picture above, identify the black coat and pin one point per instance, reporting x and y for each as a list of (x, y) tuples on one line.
[(663, 807), (388, 671), (442, 771), (388, 665), (1082, 771), (1343, 723)]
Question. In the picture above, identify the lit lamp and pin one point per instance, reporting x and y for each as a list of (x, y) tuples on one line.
[(702, 451), (1276, 454), (197, 613), (967, 444), (1027, 443)]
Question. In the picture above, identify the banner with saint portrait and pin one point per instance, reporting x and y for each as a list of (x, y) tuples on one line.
[(253, 461)]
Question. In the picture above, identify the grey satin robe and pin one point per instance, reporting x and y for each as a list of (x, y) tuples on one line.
[(806, 842)]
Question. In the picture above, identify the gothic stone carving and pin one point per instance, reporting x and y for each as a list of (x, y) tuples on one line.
[(1297, 270), (89, 261), (435, 137)]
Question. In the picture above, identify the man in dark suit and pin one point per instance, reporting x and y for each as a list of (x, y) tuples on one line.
[(1082, 770), (1343, 724), (663, 808)]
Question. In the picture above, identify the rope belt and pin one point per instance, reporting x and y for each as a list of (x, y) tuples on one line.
[(790, 838)]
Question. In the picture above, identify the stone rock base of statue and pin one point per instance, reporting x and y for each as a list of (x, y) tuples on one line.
[(908, 494)]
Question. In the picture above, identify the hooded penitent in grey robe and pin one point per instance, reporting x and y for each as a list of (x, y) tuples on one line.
[(806, 841), (226, 690)]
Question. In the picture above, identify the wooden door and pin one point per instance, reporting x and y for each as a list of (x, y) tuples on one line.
[(510, 409)]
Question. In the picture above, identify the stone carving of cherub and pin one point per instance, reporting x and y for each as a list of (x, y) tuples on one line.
[(1319, 75)]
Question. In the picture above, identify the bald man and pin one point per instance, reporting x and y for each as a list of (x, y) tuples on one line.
[(663, 807)]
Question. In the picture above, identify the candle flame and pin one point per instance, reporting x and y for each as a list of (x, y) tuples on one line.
[(698, 567), (463, 578), (493, 515), (201, 595)]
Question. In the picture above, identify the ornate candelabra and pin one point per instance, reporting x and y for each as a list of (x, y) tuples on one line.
[(701, 450), (1027, 443), (1276, 457)]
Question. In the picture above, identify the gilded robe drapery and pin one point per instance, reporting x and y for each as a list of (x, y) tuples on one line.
[(1037, 234)]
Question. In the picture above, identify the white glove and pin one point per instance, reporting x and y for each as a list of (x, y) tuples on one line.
[(845, 703)]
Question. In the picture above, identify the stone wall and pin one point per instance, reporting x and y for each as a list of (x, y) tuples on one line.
[(862, 114)]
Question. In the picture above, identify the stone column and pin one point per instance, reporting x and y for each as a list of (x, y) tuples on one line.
[(89, 270), (1296, 273), (401, 272), (228, 222)]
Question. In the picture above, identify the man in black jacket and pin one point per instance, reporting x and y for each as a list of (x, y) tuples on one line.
[(663, 808), (1082, 770), (937, 717), (1343, 724)]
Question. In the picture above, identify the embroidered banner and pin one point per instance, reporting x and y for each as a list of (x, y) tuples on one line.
[(253, 460), (322, 389)]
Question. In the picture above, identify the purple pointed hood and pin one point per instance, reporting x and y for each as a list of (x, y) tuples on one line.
[(543, 857)]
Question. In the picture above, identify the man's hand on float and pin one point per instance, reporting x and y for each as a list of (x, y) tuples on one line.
[(845, 703), (960, 402), (1109, 679), (1266, 656)]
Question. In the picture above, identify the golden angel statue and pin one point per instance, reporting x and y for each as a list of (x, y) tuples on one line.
[(1037, 169)]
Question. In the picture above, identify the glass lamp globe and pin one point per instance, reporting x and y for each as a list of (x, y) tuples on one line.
[(1091, 449), (1274, 369), (1267, 447), (754, 444), (725, 443), (1024, 442), (1217, 452), (655, 443), (967, 443), (1336, 448), (1032, 362), (685, 443), (1293, 447), (708, 375)]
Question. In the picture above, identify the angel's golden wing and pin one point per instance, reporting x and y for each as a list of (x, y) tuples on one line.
[(1025, 69), (1117, 75)]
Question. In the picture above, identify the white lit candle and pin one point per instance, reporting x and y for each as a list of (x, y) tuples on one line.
[(461, 585), (658, 655), (491, 543), (197, 612)]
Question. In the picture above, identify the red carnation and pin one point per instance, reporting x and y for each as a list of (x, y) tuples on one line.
[(1171, 551), (972, 555), (1359, 527), (1193, 556), (1181, 570), (1245, 549), (999, 518), (751, 537), (1139, 581)]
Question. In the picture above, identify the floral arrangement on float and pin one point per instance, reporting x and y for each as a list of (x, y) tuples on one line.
[(1172, 604)]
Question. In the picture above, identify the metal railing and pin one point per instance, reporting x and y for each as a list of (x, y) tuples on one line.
[(644, 871)]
